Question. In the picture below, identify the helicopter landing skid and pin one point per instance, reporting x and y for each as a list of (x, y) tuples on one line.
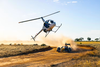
[(58, 28)]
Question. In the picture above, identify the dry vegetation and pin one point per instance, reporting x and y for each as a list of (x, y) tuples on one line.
[(88, 59), (88, 42), (91, 59), (12, 50)]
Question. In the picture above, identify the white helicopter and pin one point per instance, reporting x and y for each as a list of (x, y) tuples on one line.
[(47, 26)]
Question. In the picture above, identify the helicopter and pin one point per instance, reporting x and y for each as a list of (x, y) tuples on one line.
[(48, 25)]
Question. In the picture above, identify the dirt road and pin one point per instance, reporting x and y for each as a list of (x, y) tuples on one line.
[(42, 59)]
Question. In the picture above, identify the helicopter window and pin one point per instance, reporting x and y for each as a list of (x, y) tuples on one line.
[(51, 21), (46, 25)]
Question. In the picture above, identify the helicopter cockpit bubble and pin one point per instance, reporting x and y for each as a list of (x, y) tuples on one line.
[(50, 21)]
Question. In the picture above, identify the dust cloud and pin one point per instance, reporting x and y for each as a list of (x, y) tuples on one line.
[(58, 41), (51, 40)]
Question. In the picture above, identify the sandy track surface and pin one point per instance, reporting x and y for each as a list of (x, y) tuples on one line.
[(42, 59)]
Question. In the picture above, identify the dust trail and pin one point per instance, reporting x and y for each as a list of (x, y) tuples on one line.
[(58, 41)]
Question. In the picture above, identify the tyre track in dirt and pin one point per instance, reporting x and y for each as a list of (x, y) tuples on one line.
[(43, 59)]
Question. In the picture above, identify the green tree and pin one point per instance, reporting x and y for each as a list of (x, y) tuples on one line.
[(81, 39), (88, 38), (96, 39), (77, 39)]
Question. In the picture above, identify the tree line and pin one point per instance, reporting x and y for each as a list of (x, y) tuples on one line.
[(88, 39)]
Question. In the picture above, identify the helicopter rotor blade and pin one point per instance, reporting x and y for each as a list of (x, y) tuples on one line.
[(29, 20), (39, 17), (51, 14)]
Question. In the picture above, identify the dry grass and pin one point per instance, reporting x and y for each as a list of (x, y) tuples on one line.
[(91, 59), (12, 50), (88, 42)]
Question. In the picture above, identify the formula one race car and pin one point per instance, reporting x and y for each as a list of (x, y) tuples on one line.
[(65, 48)]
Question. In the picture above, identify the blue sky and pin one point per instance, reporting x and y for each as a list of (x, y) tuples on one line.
[(79, 18)]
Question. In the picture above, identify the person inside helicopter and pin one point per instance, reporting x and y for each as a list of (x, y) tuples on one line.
[(46, 24)]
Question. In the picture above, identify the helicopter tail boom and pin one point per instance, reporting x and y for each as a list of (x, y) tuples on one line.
[(37, 34)]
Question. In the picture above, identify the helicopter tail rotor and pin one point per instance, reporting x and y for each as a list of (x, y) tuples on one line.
[(33, 38)]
